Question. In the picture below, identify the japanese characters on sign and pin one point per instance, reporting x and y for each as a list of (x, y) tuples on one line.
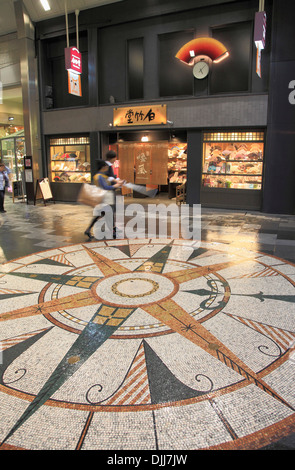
[(142, 167), (73, 63), (73, 60), (140, 115)]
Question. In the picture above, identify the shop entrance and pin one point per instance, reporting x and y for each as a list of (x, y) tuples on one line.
[(158, 165)]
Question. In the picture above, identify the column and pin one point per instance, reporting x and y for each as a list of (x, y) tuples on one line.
[(29, 81), (279, 176)]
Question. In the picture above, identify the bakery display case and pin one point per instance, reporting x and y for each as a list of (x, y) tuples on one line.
[(69, 164), (177, 166), (70, 160), (232, 172)]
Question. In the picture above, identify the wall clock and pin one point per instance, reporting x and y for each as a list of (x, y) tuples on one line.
[(200, 70)]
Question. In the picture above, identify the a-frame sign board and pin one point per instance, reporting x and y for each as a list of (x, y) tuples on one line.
[(43, 191)]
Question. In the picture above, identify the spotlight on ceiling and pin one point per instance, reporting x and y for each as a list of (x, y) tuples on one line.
[(45, 5)]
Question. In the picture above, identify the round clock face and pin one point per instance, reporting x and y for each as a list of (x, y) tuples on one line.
[(201, 70), (146, 344)]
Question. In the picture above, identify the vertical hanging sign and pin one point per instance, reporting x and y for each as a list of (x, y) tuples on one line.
[(73, 60), (74, 84), (259, 37)]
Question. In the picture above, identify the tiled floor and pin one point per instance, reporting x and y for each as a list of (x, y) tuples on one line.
[(146, 344)]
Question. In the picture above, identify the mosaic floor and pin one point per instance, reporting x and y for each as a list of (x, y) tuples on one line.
[(112, 336), (146, 344)]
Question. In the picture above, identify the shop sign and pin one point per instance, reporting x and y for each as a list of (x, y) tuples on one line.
[(73, 60), (140, 115), (74, 84), (259, 37)]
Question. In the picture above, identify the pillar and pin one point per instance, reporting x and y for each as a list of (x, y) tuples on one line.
[(29, 82)]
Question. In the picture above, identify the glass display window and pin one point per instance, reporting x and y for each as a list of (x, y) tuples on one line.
[(20, 151), (8, 156), (233, 160), (70, 160), (177, 163), (12, 153)]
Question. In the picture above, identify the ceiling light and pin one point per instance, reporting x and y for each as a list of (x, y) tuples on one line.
[(45, 5)]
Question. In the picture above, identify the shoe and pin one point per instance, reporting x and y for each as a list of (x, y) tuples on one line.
[(87, 232), (3, 211)]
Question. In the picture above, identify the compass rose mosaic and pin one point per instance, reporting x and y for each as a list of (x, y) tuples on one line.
[(146, 345)]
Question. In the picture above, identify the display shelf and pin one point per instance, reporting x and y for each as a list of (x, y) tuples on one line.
[(233, 165), (232, 181), (70, 160), (177, 163)]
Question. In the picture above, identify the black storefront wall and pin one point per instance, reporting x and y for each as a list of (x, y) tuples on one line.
[(229, 22), (279, 182), (194, 166)]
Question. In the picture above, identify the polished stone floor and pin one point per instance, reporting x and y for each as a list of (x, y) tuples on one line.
[(146, 343)]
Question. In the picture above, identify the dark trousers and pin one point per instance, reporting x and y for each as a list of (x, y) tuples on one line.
[(2, 193)]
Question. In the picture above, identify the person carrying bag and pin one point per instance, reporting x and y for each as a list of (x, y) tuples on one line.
[(107, 197), (4, 183)]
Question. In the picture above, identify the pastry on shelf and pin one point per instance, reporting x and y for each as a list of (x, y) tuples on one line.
[(86, 166), (173, 178), (56, 167), (64, 177), (74, 177), (57, 156)]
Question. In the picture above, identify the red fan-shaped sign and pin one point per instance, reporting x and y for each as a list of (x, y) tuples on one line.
[(207, 47)]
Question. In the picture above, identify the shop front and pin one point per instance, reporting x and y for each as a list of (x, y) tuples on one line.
[(237, 151), (228, 165), (158, 162), (232, 169)]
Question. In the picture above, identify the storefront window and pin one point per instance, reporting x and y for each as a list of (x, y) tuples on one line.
[(233, 160), (8, 156), (12, 153), (19, 154), (70, 160), (177, 163)]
